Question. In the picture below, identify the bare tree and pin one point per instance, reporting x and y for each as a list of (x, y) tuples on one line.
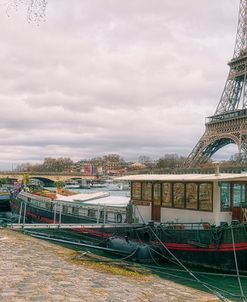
[(36, 9), (170, 161)]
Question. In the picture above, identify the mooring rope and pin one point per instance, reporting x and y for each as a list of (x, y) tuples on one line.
[(243, 297), (222, 298), (198, 272), (159, 270)]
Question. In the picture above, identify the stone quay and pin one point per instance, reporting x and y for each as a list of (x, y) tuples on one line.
[(39, 271)]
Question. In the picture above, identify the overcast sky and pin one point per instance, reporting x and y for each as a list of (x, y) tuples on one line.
[(133, 77)]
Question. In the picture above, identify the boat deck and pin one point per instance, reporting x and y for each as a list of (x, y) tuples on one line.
[(20, 226)]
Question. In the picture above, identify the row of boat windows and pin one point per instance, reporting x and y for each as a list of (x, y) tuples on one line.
[(192, 196), (91, 213)]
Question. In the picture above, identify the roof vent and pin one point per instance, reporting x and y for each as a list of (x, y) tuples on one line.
[(217, 168)]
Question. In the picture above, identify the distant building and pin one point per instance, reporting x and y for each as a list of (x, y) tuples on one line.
[(137, 166), (100, 167)]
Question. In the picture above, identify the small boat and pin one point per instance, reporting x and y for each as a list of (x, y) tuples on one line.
[(73, 184), (117, 186), (85, 184), (97, 185)]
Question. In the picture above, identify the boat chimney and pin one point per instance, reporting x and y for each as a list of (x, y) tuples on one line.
[(217, 168)]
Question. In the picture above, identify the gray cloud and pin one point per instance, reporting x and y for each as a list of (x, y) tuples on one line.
[(132, 77)]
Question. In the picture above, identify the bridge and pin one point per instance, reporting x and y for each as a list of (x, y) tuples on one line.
[(47, 177)]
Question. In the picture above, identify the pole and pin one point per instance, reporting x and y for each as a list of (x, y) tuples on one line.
[(55, 213), (60, 214), (104, 215), (243, 298), (24, 214), (98, 215), (19, 219)]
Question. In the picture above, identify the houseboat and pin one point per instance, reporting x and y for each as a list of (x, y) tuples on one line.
[(50, 207), (199, 219)]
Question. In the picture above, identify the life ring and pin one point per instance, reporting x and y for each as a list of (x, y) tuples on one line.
[(119, 218)]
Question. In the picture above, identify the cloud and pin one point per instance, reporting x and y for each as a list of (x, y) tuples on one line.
[(112, 76)]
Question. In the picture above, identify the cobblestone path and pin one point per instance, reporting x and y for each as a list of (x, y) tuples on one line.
[(38, 271)]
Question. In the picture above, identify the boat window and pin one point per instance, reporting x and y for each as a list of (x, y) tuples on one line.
[(147, 191), (191, 196), (75, 210), (102, 214), (91, 213), (157, 194), (238, 195), (206, 197), (178, 195), (225, 194), (166, 194), (65, 209), (48, 205), (136, 190)]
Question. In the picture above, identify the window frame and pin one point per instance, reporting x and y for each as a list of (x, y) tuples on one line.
[(142, 191), (197, 196), (170, 193), (245, 193), (160, 193), (212, 196), (230, 197), (183, 201), (132, 185)]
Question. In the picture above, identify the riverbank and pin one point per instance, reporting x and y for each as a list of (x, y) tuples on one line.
[(39, 271)]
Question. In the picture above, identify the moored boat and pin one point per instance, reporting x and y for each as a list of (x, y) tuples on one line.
[(97, 185), (198, 219), (72, 184), (117, 186), (50, 207)]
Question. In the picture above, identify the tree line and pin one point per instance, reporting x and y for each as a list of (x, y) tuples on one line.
[(65, 164)]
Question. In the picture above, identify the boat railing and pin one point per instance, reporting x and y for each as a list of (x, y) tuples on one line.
[(28, 196), (95, 213), (187, 225), (98, 213)]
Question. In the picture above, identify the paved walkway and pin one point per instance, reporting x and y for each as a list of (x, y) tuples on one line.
[(38, 271)]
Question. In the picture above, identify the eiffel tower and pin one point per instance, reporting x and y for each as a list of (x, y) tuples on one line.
[(229, 123)]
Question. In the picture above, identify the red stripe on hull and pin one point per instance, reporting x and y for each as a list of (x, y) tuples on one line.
[(225, 247), (85, 231)]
